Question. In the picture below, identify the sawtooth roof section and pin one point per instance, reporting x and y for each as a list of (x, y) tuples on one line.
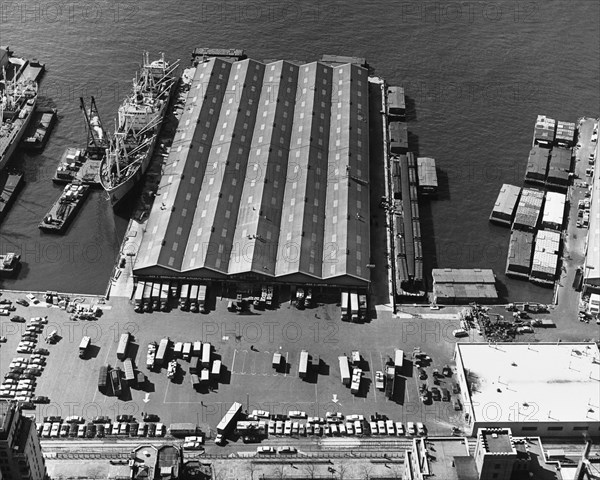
[(257, 231), (346, 237), (301, 229), (210, 241), (171, 216)]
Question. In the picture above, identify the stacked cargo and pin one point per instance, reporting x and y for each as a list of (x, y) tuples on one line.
[(545, 258), (537, 166), (544, 131), (565, 134), (528, 210), (518, 263), (504, 208)]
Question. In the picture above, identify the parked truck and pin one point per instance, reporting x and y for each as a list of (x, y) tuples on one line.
[(183, 296), (161, 355), (103, 378), (362, 307), (123, 346), (187, 351), (147, 297), (344, 306), (129, 373), (138, 298), (115, 378), (228, 422), (202, 298), (183, 429), (356, 378), (216, 370), (194, 298), (156, 296), (206, 347), (83, 346), (164, 297), (303, 367), (354, 306), (344, 370), (398, 359), (151, 355), (390, 375), (543, 322)]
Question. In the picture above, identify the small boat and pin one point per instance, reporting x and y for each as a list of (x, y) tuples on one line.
[(9, 263), (37, 134)]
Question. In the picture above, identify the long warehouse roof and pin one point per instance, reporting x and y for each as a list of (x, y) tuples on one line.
[(268, 174)]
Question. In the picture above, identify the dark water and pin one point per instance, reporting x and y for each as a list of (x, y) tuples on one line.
[(476, 74)]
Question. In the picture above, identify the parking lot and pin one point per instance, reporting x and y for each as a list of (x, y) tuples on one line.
[(245, 344)]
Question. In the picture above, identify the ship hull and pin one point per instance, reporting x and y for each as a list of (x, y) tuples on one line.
[(12, 146), (118, 192)]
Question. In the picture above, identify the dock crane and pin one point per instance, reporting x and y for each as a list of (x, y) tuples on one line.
[(97, 141)]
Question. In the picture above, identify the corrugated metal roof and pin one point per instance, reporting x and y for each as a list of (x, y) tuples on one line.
[(528, 210), (547, 241), (463, 275), (519, 249), (507, 200), (544, 262), (554, 208), (537, 163), (268, 173), (427, 172), (396, 99)]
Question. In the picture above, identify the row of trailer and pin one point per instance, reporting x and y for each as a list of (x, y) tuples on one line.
[(353, 306), (155, 296)]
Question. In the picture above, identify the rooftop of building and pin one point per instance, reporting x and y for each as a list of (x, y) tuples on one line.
[(497, 440), (268, 175), (529, 382), (463, 275), (507, 199), (440, 456)]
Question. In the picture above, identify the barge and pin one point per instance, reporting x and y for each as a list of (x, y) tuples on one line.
[(528, 210), (503, 212), (518, 262), (77, 166), (61, 214), (39, 129), (10, 184), (537, 166)]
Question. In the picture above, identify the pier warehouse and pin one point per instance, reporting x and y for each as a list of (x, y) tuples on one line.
[(462, 286), (267, 178), (524, 386)]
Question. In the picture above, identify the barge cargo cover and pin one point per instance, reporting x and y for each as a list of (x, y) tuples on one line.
[(537, 166), (518, 262), (528, 210), (503, 212)]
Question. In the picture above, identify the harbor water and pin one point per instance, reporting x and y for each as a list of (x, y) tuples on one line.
[(476, 75)]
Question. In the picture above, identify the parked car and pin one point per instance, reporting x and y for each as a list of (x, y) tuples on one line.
[(40, 399), (22, 301), (41, 351), (399, 428), (152, 429), (18, 319), (90, 430), (64, 430), (421, 429), (410, 428), (265, 450), (100, 431), (125, 418), (460, 332), (149, 417)]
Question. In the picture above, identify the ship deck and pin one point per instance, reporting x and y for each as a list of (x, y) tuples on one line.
[(63, 213), (86, 171), (33, 71)]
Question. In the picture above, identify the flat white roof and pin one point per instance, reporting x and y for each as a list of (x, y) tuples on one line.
[(554, 208), (512, 382)]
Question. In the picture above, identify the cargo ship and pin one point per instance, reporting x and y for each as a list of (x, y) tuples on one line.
[(17, 103), (140, 117), (39, 129), (63, 211)]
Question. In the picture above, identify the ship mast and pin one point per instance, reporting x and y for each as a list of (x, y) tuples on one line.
[(96, 136)]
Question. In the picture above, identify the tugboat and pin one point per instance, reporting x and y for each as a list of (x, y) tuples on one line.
[(140, 118), (9, 263)]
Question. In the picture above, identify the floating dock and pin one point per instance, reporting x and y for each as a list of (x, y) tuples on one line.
[(10, 184), (64, 210), (503, 212), (528, 210), (76, 166), (37, 134), (396, 102), (518, 262)]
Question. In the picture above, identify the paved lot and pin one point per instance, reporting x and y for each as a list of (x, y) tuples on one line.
[(248, 376)]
